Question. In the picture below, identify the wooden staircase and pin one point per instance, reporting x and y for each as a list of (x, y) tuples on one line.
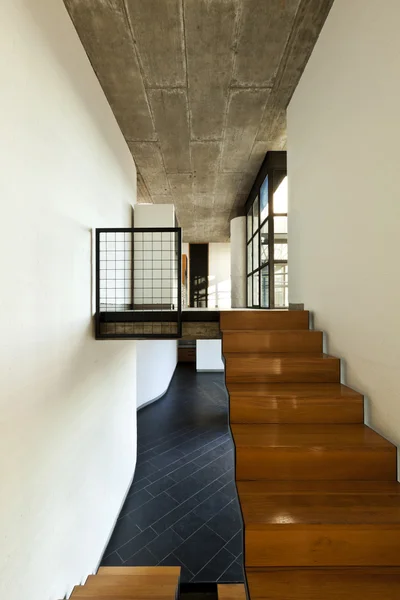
[(142, 583), (317, 487)]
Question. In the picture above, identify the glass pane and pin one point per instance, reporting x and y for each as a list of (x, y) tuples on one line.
[(249, 257), (264, 199), (280, 247), (249, 291), (255, 215), (264, 243), (256, 297), (281, 197), (265, 287), (281, 286), (280, 225), (249, 224), (256, 255)]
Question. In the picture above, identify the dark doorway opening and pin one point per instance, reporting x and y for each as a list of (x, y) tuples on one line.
[(198, 269)]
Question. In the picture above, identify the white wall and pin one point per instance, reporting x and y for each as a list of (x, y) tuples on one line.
[(219, 275), (238, 249), (155, 366), (209, 355), (156, 359), (67, 404), (154, 215), (344, 190), (155, 260)]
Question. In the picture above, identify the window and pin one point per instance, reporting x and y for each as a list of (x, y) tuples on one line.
[(267, 242)]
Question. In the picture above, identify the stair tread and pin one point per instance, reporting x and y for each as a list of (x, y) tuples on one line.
[(231, 591), (325, 503), (358, 583), (283, 355), (141, 571), (240, 320), (322, 391), (307, 435)]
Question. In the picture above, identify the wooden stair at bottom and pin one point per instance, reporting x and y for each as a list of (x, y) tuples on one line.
[(317, 487), (130, 583), (231, 591)]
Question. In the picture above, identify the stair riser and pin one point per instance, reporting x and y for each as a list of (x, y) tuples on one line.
[(298, 410), (312, 464), (323, 546), (267, 320), (330, 584), (272, 341), (282, 370)]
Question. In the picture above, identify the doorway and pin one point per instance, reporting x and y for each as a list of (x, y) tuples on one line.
[(198, 269)]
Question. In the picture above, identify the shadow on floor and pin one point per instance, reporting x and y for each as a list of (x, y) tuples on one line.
[(182, 508)]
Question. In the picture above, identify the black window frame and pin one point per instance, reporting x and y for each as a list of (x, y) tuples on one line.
[(274, 168)]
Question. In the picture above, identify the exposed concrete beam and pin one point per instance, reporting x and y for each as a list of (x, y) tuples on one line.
[(205, 160), (210, 35), (264, 30), (104, 31), (245, 111), (200, 90), (149, 161), (161, 46), (171, 116)]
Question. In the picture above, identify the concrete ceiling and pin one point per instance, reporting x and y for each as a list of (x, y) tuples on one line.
[(199, 89)]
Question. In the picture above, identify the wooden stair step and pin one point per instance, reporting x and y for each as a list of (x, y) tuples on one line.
[(332, 524), (294, 403), (282, 367), (272, 341), (368, 583), (312, 451), (264, 319), (231, 591), (131, 583), (140, 571)]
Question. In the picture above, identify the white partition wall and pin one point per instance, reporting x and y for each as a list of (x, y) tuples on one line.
[(209, 355)]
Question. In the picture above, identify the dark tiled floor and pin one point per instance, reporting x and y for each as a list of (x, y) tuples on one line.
[(182, 507)]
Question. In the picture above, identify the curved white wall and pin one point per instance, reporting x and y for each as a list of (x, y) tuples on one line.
[(344, 190), (67, 405), (155, 365)]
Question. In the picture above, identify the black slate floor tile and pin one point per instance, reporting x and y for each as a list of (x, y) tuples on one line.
[(153, 510), (134, 501), (235, 545), (160, 486), (112, 560), (185, 489), (142, 558), (186, 526), (173, 561), (184, 477), (136, 544), (138, 485), (214, 453), (124, 530), (164, 544), (169, 519), (234, 574), (217, 565), (199, 549), (227, 523), (211, 506)]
